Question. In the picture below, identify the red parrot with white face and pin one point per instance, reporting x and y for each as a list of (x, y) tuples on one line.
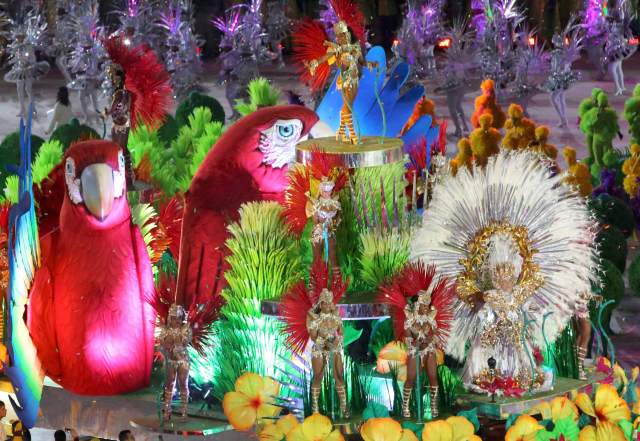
[(250, 162), (88, 311)]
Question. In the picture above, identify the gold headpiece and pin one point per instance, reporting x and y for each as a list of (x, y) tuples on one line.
[(424, 298), (340, 28), (326, 184), (326, 296), (177, 311)]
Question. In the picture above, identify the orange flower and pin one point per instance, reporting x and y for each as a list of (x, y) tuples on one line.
[(393, 356), (455, 428), (279, 430), (315, 428), (608, 406), (249, 402), (604, 431), (557, 409), (524, 429), (385, 429)]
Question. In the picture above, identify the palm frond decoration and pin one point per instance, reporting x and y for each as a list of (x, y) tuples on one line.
[(261, 94), (48, 157), (264, 261), (11, 189), (383, 255), (144, 215)]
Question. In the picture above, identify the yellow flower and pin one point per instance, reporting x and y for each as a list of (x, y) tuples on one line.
[(620, 378), (605, 431), (455, 428), (608, 406), (393, 356), (279, 430), (557, 409), (250, 401), (524, 429), (636, 423), (315, 428), (634, 374), (385, 429)]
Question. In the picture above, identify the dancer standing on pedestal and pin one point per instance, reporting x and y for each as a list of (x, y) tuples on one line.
[(421, 306), (311, 315)]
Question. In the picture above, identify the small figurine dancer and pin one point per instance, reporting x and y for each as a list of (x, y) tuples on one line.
[(345, 54), (120, 112), (566, 50), (324, 210), (422, 309), (311, 315), (24, 66), (174, 340)]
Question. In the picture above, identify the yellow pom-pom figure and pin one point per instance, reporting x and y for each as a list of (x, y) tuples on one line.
[(520, 130), (577, 174), (631, 170), (485, 140), (541, 145), (463, 158), (486, 103)]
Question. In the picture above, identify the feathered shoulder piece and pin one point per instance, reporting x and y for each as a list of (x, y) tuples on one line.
[(300, 299), (303, 185), (415, 283), (146, 79)]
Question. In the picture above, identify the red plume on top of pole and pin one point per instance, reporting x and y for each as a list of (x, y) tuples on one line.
[(146, 80)]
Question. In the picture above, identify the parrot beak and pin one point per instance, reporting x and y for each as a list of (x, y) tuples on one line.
[(97, 189)]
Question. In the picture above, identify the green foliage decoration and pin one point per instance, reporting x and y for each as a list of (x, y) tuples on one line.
[(610, 210), (383, 255), (10, 152), (632, 115), (613, 246), (71, 132), (261, 94), (194, 100)]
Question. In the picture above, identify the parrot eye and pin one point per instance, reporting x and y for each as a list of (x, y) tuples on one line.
[(285, 131), (121, 160), (70, 167), (288, 130)]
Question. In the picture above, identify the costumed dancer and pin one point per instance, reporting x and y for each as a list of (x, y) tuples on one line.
[(596, 31), (566, 50), (62, 39), (181, 50), (182, 327), (617, 47), (583, 334), (311, 315), (277, 25), (513, 238), (456, 71), (239, 65), (314, 194), (422, 309), (27, 35), (86, 61), (314, 50), (141, 92)]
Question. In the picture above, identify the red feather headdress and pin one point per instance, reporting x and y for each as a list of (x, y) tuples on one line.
[(146, 80), (309, 37), (321, 165), (297, 302), (408, 283), (201, 315)]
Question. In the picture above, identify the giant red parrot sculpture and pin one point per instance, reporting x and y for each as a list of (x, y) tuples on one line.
[(248, 163), (88, 313)]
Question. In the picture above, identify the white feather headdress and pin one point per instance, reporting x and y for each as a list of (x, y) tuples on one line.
[(552, 225)]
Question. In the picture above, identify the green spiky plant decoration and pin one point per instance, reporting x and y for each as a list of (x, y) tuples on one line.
[(47, 158), (173, 166), (261, 94), (263, 263)]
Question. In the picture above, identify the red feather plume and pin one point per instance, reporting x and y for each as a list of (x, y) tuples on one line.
[(296, 303), (170, 221), (332, 166), (348, 11), (414, 278), (295, 200), (145, 78), (308, 44)]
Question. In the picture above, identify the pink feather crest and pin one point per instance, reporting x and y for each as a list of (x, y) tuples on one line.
[(146, 79), (416, 277), (296, 303)]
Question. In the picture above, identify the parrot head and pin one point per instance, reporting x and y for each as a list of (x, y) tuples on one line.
[(95, 184)]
